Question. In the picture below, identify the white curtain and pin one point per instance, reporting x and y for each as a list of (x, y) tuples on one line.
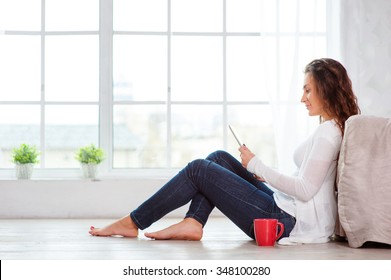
[(306, 41)]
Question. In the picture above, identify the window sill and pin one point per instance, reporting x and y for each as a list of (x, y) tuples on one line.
[(76, 175)]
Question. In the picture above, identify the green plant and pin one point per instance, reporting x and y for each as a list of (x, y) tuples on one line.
[(90, 155), (25, 154)]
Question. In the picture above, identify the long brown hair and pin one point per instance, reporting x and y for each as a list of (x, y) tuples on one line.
[(334, 87)]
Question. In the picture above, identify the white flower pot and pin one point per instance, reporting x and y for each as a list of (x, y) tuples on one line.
[(90, 170), (24, 171)]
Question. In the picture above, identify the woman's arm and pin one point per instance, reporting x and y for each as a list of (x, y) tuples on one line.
[(311, 175)]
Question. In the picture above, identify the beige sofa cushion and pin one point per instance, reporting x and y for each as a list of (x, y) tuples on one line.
[(364, 180)]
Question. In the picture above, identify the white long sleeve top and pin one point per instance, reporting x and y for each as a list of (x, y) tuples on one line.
[(309, 194)]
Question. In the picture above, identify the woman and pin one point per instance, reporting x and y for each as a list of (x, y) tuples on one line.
[(304, 203)]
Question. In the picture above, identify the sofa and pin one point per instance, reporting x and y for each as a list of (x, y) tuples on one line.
[(364, 181)]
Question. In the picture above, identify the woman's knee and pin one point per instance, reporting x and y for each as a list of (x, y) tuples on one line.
[(196, 168), (196, 164), (219, 154)]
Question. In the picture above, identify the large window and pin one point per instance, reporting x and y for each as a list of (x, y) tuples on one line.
[(154, 82)]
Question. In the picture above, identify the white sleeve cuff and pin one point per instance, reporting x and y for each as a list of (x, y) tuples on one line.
[(251, 166)]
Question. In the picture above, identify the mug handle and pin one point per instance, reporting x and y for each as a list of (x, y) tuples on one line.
[(281, 225)]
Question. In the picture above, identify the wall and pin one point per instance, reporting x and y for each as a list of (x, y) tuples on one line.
[(106, 198), (72, 198)]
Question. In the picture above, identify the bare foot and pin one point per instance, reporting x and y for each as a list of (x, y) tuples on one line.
[(188, 229), (124, 227)]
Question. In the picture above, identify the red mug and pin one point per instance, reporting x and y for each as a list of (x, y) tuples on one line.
[(265, 231)]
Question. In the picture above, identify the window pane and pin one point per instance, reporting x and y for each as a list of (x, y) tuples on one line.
[(67, 128), (136, 15), (312, 16), (18, 124), (72, 68), (287, 63), (258, 136), (20, 68), (196, 132), (140, 68), (20, 15), (246, 69), (197, 68), (288, 14), (251, 16), (72, 15), (140, 136), (197, 15), (309, 48)]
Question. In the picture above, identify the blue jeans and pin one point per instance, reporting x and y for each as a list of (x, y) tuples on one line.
[(217, 181)]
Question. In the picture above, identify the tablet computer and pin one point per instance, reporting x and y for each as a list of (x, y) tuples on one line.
[(235, 135)]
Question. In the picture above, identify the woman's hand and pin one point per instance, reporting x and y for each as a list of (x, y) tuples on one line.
[(246, 155)]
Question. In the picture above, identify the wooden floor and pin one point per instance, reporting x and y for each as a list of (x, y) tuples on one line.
[(68, 239)]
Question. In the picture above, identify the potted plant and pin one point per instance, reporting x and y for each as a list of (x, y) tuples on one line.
[(90, 157), (25, 157)]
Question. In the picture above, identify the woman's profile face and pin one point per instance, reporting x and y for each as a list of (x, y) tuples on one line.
[(311, 98)]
